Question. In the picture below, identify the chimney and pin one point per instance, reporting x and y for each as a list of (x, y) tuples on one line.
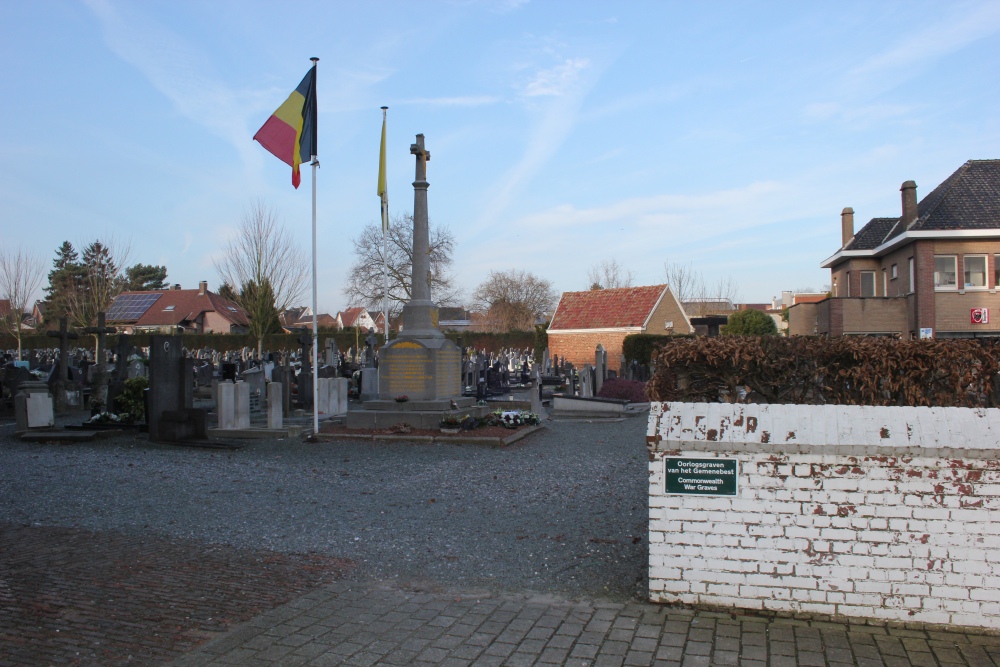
[(202, 287), (176, 286), (909, 190), (846, 226)]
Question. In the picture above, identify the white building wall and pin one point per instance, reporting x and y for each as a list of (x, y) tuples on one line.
[(880, 513)]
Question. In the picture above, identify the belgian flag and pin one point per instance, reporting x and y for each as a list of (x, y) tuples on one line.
[(290, 133)]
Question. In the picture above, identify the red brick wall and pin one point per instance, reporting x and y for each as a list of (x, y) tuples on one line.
[(579, 348)]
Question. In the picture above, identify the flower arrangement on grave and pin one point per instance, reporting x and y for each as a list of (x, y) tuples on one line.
[(512, 418), (402, 399), (453, 421), (105, 418)]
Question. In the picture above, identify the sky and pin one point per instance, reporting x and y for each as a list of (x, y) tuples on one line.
[(725, 136)]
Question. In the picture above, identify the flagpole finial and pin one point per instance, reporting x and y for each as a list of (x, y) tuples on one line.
[(314, 59), (384, 108)]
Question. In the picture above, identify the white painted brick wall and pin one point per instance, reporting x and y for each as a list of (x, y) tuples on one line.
[(884, 513)]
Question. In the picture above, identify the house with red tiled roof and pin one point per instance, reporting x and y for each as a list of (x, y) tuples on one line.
[(176, 310), (356, 317), (583, 320)]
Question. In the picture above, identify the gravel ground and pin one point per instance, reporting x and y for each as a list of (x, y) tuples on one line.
[(563, 511)]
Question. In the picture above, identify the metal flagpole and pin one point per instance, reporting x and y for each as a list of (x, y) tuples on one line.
[(315, 332), (385, 251)]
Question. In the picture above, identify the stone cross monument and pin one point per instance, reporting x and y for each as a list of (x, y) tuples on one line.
[(420, 313), (420, 363)]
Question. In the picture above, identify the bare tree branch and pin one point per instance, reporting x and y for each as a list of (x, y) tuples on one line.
[(609, 274), (513, 300), (101, 279), (20, 277), (365, 278), (264, 266)]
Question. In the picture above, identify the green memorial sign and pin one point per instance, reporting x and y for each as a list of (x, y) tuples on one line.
[(701, 477)]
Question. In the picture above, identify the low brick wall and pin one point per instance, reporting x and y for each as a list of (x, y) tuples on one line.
[(880, 513)]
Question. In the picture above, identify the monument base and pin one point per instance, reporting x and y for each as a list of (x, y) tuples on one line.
[(421, 369), (418, 414)]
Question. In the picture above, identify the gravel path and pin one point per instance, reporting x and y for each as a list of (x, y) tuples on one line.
[(563, 511)]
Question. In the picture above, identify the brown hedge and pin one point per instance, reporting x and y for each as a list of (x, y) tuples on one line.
[(845, 371)]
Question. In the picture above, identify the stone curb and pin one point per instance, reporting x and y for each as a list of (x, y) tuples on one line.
[(435, 439)]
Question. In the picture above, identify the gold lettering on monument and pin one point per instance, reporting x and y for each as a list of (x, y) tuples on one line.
[(407, 372)]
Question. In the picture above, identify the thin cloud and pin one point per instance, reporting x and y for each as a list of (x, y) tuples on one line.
[(180, 72), (461, 101), (970, 25), (558, 80), (669, 210)]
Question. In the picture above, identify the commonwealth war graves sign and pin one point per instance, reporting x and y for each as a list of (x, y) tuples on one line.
[(701, 477)]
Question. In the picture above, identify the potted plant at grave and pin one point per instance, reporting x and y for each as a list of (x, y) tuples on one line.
[(402, 399), (452, 423)]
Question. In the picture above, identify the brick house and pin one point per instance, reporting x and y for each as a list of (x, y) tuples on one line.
[(932, 272), (176, 310), (582, 320)]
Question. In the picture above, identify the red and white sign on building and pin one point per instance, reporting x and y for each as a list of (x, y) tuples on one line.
[(980, 316)]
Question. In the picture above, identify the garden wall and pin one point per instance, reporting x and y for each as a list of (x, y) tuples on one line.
[(839, 511)]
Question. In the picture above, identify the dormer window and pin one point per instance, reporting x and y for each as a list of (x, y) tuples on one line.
[(168, 308)]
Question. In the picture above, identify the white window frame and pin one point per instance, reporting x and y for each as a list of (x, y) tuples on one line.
[(945, 288), (913, 276), (885, 283), (894, 272), (874, 284), (965, 271)]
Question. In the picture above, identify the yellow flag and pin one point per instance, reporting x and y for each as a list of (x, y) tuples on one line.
[(383, 192)]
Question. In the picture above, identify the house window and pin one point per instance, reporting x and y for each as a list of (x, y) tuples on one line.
[(848, 284), (996, 270), (913, 277), (975, 270), (885, 283), (835, 287), (168, 308), (867, 283), (945, 272), (895, 272)]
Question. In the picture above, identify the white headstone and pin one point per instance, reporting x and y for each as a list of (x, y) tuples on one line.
[(241, 414), (341, 386), (275, 418), (323, 387), (225, 405), (40, 412)]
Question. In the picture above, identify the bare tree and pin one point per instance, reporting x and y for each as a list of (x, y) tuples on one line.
[(265, 269), (101, 278), (700, 298), (20, 277), (609, 274), (684, 282), (513, 300), (366, 281)]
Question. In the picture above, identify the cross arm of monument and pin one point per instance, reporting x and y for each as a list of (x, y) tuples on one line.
[(419, 150)]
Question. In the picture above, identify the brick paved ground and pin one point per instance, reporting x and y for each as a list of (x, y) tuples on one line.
[(352, 624), (76, 597)]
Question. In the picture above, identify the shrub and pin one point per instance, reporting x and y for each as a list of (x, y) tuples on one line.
[(130, 405), (750, 322), (837, 371), (631, 390)]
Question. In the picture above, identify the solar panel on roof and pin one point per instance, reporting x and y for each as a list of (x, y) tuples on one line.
[(130, 307)]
